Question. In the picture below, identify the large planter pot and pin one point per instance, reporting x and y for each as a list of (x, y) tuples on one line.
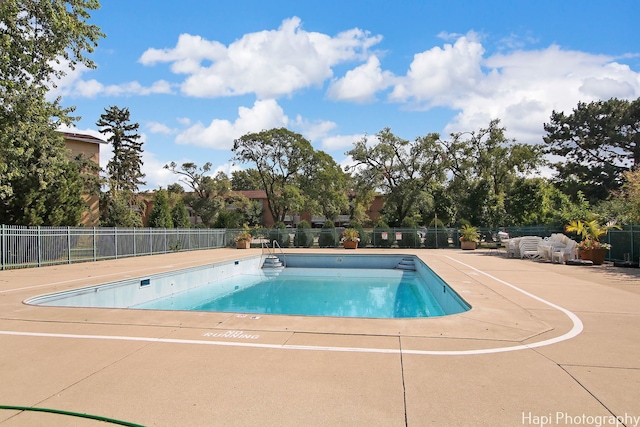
[(597, 256), (467, 245), (350, 245), (243, 244)]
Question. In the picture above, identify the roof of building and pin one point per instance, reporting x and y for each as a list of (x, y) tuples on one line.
[(253, 194), (83, 137)]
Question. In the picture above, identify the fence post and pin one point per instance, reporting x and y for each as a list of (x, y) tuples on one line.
[(115, 239), (632, 243), (3, 245), (39, 247), (69, 244), (95, 245)]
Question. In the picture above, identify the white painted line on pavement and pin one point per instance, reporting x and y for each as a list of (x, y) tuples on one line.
[(575, 330)]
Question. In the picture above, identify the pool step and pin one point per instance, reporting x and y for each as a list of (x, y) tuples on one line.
[(272, 261), (406, 264)]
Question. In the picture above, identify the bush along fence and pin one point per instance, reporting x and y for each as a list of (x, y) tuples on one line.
[(22, 247), (625, 243)]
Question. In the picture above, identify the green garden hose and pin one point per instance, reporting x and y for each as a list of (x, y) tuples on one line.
[(71, 414)]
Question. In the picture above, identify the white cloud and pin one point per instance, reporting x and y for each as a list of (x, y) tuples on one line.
[(135, 88), (520, 87), (87, 88), (268, 63), (155, 127), (606, 87), (314, 130), (220, 134), (155, 173), (338, 142), (361, 84), (227, 168), (186, 57), (73, 84), (440, 75)]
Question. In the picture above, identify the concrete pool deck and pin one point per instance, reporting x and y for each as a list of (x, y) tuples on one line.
[(544, 344)]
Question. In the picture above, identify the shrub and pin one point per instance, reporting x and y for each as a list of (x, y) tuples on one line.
[(303, 237), (410, 236), (280, 233), (442, 239), (328, 236)]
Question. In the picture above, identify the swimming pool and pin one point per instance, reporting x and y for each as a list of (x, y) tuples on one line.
[(371, 286)]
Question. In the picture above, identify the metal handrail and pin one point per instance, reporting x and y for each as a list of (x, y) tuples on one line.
[(265, 245), (284, 257)]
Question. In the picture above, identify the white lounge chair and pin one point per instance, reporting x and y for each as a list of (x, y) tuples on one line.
[(513, 247), (552, 244), (529, 247)]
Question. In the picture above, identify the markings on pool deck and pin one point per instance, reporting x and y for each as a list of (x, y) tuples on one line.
[(575, 330)]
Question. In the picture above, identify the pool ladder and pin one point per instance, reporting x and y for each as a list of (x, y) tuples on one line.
[(272, 261)]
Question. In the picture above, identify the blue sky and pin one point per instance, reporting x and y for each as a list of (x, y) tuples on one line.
[(196, 75)]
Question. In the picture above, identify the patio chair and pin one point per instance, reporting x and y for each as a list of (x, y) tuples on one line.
[(513, 247), (552, 244), (493, 243), (529, 247), (566, 253)]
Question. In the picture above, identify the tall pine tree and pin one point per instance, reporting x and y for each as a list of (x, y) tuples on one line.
[(119, 207), (124, 169)]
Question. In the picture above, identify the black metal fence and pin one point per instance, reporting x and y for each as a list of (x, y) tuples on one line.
[(22, 247), (625, 243)]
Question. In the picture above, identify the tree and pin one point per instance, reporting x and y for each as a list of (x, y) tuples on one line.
[(624, 206), (531, 201), (483, 166), (89, 174), (279, 156), (360, 195), (597, 143), (160, 216), (209, 193), (180, 215), (124, 169), (242, 210), (324, 186), (403, 170), (39, 183), (116, 210), (245, 180)]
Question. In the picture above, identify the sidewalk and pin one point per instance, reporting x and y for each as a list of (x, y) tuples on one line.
[(512, 360)]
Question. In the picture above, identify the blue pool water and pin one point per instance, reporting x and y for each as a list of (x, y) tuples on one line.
[(315, 292), (371, 286)]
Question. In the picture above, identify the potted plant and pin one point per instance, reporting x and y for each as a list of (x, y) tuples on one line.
[(243, 240), (469, 237), (591, 248), (350, 238)]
